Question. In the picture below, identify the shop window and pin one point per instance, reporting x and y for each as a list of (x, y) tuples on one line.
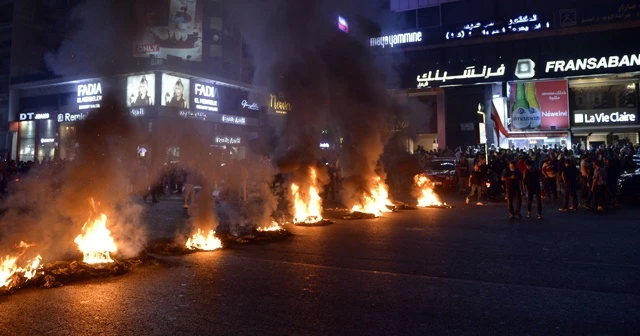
[(600, 97), (47, 140), (27, 140), (68, 141)]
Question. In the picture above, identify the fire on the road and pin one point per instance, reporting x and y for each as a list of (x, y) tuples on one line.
[(376, 201), (95, 242), (426, 196), (200, 241), (273, 227), (307, 203), (9, 267)]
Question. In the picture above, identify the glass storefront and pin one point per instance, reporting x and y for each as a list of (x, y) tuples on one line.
[(47, 140), (27, 140), (604, 111), (68, 142)]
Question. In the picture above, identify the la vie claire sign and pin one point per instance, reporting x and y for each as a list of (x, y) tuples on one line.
[(610, 117)]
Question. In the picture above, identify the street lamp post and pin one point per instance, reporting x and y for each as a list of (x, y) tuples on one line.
[(484, 124)]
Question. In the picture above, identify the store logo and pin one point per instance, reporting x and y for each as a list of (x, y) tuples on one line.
[(252, 106), (392, 40), (614, 117), (33, 116), (234, 120), (525, 68), (64, 117), (280, 106), (593, 63)]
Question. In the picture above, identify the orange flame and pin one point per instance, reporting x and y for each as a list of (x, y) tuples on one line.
[(376, 201), (206, 243), (307, 204), (427, 196), (9, 268), (273, 227), (95, 241)]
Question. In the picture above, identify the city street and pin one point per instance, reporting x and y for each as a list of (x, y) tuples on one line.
[(466, 270)]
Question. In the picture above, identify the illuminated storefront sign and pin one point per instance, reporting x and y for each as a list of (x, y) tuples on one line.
[(89, 95), (205, 97), (33, 116), (343, 24), (225, 140), (47, 140), (425, 79), (521, 24), (251, 106), (604, 117), (593, 63), (137, 112), (234, 120), (279, 105), (70, 117), (397, 39)]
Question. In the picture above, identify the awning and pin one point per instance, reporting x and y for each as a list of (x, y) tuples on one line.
[(539, 134), (606, 129)]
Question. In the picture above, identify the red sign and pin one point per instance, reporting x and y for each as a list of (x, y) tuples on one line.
[(540, 106)]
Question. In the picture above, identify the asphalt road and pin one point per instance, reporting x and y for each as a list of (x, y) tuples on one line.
[(461, 271)]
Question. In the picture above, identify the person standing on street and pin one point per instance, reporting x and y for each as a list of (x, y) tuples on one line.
[(531, 183), (549, 172), (599, 185), (570, 176), (475, 183), (513, 179)]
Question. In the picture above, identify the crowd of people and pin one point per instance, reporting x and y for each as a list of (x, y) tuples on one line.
[(550, 172), (576, 176)]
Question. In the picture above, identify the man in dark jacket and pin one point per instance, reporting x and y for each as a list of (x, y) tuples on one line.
[(512, 180), (531, 183), (570, 180)]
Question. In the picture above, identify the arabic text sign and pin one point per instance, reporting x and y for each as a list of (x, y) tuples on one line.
[(608, 11), (442, 77), (523, 23)]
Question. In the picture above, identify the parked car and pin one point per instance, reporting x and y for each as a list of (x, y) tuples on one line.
[(629, 186), (442, 172)]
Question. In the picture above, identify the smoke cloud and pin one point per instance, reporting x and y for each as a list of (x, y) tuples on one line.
[(50, 206), (100, 37), (328, 75)]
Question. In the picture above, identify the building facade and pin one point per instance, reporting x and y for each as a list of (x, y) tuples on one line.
[(183, 73), (6, 29), (541, 72)]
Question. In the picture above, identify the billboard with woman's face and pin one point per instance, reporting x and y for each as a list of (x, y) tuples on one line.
[(141, 90), (175, 91)]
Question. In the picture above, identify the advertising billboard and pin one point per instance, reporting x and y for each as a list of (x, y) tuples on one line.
[(173, 28), (175, 91), (141, 90), (539, 105)]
